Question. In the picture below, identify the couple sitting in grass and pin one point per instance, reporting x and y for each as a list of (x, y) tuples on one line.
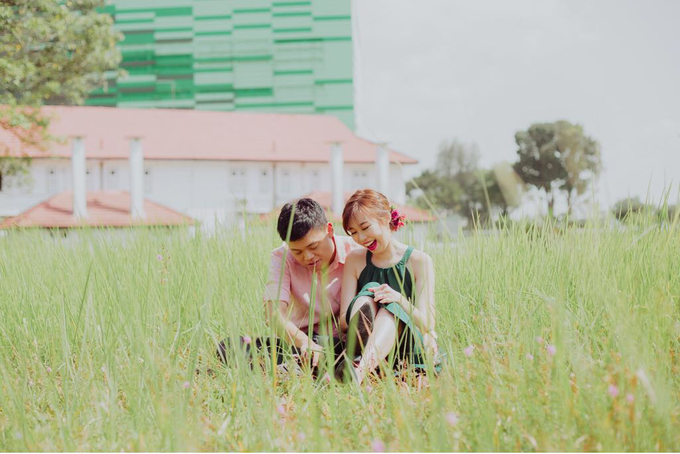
[(373, 296)]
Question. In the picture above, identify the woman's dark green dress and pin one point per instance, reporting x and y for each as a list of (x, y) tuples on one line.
[(398, 277)]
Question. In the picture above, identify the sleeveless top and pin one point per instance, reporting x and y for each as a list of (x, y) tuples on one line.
[(398, 277)]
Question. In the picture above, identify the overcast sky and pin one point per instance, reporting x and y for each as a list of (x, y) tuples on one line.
[(433, 70)]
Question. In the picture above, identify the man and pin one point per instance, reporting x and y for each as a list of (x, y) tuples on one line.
[(307, 266)]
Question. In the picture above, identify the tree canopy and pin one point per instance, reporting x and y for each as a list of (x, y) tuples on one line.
[(460, 185), (557, 156), (50, 53)]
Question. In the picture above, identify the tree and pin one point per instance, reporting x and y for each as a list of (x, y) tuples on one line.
[(443, 193), (459, 185), (553, 156), (539, 162), (580, 156), (50, 53), (624, 209)]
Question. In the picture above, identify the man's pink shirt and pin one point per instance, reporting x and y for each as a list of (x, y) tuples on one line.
[(296, 285)]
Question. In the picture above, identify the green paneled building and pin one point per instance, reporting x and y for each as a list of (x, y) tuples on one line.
[(254, 55)]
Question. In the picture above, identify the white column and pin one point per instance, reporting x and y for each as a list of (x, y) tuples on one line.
[(336, 179), (382, 163), (78, 172), (136, 179)]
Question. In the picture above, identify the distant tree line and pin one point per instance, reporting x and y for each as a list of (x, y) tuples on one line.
[(554, 158), (631, 208)]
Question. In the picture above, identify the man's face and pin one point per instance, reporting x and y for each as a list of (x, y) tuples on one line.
[(315, 249)]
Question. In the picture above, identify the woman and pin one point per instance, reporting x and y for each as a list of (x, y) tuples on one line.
[(387, 300)]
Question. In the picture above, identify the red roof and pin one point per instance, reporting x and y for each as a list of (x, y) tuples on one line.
[(197, 134), (413, 214), (104, 209)]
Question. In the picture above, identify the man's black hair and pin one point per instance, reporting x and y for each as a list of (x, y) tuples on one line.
[(308, 216)]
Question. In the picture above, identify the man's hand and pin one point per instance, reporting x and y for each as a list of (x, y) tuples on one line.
[(385, 294), (311, 350)]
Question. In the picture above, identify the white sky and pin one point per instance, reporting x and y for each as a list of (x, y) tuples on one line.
[(433, 70)]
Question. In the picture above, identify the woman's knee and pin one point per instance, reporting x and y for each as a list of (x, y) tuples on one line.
[(386, 319), (363, 301)]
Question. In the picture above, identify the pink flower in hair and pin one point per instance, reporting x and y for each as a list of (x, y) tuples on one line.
[(397, 218)]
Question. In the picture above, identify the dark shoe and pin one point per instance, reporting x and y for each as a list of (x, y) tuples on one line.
[(225, 350), (344, 369)]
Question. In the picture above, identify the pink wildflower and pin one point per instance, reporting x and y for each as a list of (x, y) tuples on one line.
[(539, 340), (377, 446), (530, 357), (247, 340), (281, 409), (613, 390), (630, 398), (186, 385), (469, 350), (49, 369), (326, 377), (301, 436), (159, 257), (451, 418), (551, 349)]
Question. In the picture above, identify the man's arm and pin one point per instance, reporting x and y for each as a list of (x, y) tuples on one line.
[(288, 331), (277, 312), (277, 318)]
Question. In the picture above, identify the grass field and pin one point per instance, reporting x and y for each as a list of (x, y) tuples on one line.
[(556, 340)]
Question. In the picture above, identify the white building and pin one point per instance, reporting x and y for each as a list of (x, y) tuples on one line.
[(204, 164)]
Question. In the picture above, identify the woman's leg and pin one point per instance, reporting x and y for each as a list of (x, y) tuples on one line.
[(361, 324), (380, 343)]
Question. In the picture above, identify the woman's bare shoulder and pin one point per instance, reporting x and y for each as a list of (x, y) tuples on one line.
[(355, 256), (420, 258)]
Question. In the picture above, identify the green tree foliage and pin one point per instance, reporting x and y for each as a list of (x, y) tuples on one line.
[(557, 156), (626, 208), (580, 156), (459, 185), (51, 52)]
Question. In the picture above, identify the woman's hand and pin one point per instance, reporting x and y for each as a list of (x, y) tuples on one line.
[(385, 294), (430, 344)]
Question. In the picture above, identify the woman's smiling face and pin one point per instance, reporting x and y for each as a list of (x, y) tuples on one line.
[(371, 233)]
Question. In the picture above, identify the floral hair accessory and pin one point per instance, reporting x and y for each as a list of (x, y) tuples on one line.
[(397, 219)]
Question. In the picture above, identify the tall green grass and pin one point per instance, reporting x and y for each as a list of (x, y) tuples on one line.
[(107, 342)]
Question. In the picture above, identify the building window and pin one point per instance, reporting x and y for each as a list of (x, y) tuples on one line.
[(314, 181), (90, 181), (112, 179), (51, 181), (360, 179), (285, 182), (148, 181), (265, 181), (237, 181)]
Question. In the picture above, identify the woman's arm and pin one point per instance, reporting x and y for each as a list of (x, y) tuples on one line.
[(422, 312), (423, 271), (349, 286)]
